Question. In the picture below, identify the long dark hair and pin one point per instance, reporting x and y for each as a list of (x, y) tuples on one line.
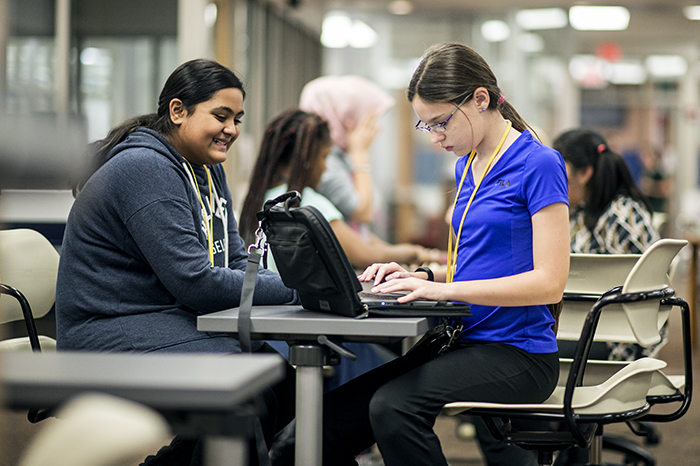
[(586, 147), (293, 139), (448, 72), (193, 82)]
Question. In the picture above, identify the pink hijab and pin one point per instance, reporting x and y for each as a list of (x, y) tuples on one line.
[(343, 101)]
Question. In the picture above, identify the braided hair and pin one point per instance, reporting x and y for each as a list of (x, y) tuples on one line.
[(292, 140)]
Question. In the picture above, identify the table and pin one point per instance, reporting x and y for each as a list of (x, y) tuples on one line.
[(307, 333), (199, 394)]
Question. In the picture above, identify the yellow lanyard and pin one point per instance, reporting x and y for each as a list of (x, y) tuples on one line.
[(210, 223), (452, 255)]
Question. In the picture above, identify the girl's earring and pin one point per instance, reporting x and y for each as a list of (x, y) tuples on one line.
[(483, 109)]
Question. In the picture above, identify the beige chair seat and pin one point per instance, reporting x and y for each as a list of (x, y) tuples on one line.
[(22, 344), (625, 390)]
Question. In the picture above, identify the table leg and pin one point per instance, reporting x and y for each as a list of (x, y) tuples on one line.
[(309, 409), (309, 360)]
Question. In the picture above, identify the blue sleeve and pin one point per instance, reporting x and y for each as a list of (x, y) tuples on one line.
[(545, 180)]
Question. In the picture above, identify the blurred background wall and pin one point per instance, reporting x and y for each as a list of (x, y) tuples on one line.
[(71, 69)]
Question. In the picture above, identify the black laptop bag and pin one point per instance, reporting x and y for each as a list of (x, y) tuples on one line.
[(304, 244)]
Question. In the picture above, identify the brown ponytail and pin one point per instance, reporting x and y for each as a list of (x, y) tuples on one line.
[(450, 71)]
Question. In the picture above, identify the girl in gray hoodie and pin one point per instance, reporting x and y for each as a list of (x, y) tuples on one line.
[(151, 241)]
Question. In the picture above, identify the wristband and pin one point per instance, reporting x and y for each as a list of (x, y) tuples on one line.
[(431, 277)]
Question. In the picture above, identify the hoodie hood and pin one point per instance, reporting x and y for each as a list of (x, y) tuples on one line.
[(147, 139)]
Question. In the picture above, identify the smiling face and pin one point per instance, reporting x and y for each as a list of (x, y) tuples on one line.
[(204, 135), (461, 136)]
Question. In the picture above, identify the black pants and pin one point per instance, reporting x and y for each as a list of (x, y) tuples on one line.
[(396, 405)]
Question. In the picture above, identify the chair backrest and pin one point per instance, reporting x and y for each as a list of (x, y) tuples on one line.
[(648, 274), (29, 263), (593, 275), (597, 273)]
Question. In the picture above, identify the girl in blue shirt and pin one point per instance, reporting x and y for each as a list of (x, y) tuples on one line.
[(509, 257)]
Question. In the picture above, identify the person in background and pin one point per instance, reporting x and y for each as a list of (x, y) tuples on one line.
[(151, 241), (609, 214), (351, 105), (509, 261), (293, 156)]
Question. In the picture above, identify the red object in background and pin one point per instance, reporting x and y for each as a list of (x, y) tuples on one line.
[(610, 51)]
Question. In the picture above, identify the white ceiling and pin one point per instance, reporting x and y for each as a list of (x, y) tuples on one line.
[(656, 26)]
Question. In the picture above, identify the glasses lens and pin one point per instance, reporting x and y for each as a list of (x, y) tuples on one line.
[(439, 128)]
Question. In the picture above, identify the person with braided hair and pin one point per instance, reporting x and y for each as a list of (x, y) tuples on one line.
[(293, 157)]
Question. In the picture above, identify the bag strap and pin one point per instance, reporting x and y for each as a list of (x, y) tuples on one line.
[(289, 198), (251, 274), (255, 251)]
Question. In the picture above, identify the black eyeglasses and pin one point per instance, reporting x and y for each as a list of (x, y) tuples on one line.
[(440, 127)]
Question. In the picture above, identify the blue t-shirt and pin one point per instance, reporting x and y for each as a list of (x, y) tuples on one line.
[(496, 239)]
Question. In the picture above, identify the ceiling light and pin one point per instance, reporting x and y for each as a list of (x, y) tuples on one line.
[(541, 18), (530, 43), (495, 31), (692, 12), (400, 7), (339, 31), (599, 18), (362, 36), (666, 66), (95, 56), (210, 13), (336, 30)]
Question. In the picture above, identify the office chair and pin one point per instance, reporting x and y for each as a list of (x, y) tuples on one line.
[(28, 271), (98, 430), (591, 394)]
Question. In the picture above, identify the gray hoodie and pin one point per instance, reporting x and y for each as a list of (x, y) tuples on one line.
[(134, 271)]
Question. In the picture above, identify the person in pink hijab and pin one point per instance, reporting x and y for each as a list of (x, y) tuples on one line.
[(351, 105)]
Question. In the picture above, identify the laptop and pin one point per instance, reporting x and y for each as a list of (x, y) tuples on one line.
[(310, 260)]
